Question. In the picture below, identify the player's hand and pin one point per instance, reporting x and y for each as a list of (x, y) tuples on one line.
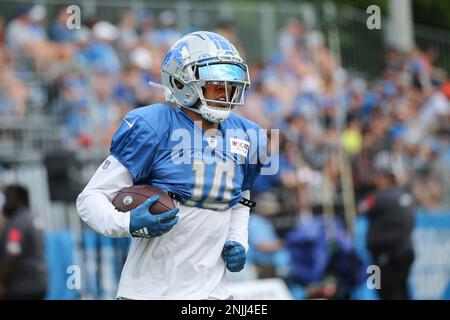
[(234, 255), (144, 224)]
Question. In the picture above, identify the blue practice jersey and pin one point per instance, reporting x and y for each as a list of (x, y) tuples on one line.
[(162, 146)]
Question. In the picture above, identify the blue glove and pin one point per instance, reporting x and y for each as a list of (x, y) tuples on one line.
[(234, 255), (144, 224)]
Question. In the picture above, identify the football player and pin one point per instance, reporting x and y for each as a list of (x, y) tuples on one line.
[(206, 157)]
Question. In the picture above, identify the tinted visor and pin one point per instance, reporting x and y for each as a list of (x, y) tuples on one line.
[(221, 72), (230, 78)]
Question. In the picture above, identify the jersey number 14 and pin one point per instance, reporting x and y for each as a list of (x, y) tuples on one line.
[(223, 174)]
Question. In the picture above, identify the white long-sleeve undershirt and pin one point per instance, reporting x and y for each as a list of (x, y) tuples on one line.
[(94, 202)]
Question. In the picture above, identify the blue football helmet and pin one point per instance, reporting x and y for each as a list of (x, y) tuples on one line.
[(197, 60)]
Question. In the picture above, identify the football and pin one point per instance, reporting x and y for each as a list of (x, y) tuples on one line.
[(129, 198)]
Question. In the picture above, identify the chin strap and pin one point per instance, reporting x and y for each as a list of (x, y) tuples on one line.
[(193, 109)]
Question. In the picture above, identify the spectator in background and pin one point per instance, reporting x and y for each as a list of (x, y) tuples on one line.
[(62, 38), (146, 24), (2, 32), (445, 89), (23, 271), (13, 92), (2, 202), (128, 36), (81, 52), (324, 259), (75, 109), (101, 55), (58, 31), (166, 33), (351, 137), (435, 106), (266, 248), (22, 31), (132, 89), (141, 63), (389, 237), (105, 115), (27, 34), (291, 35), (227, 29), (255, 109)]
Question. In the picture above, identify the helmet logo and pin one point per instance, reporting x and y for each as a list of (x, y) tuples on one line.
[(167, 58), (184, 53), (180, 52)]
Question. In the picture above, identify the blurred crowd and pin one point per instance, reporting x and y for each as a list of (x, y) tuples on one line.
[(322, 110), (89, 78), (332, 123)]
